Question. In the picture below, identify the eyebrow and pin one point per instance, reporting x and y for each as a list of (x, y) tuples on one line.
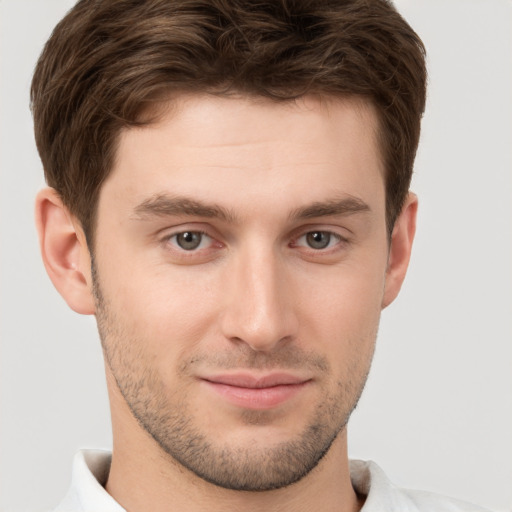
[(162, 205), (345, 206), (166, 206)]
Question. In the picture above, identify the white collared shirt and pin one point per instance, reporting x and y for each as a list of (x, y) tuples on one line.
[(91, 468)]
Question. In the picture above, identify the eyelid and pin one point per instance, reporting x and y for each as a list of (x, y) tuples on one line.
[(167, 232), (339, 231), (334, 235), (341, 235), (203, 235), (165, 236), (329, 254)]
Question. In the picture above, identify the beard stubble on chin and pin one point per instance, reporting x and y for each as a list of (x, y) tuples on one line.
[(169, 420)]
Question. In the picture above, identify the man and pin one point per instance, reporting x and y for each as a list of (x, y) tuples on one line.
[(229, 196)]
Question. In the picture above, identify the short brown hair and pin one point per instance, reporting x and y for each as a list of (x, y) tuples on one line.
[(108, 61)]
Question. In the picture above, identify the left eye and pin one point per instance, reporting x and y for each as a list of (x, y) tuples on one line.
[(318, 239), (190, 240)]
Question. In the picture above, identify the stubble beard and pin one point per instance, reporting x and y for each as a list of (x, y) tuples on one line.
[(171, 425)]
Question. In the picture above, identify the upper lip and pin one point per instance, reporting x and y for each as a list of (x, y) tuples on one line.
[(248, 380)]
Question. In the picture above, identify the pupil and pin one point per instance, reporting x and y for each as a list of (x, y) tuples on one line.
[(189, 240), (318, 239)]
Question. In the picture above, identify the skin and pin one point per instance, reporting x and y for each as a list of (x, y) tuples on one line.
[(268, 184)]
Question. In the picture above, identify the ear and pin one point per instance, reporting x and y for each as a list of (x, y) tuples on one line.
[(64, 250), (400, 249)]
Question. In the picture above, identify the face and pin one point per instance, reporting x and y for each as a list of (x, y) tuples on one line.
[(239, 273)]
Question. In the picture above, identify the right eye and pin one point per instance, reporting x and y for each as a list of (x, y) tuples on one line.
[(190, 240)]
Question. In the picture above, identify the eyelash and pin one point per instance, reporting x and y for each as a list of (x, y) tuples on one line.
[(332, 236), (328, 249), (169, 239)]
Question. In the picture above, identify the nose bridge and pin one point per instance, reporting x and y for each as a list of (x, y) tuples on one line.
[(260, 312)]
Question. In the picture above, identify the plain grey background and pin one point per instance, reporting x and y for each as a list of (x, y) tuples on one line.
[(437, 411)]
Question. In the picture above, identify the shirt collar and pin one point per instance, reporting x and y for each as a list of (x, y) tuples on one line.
[(91, 468), (87, 492)]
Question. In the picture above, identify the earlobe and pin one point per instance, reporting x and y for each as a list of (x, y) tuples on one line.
[(64, 251), (400, 249)]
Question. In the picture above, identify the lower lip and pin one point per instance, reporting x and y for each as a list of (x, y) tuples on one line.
[(257, 398)]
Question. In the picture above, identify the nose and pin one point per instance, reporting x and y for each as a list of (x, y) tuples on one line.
[(259, 311)]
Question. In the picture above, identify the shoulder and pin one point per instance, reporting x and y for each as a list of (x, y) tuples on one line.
[(427, 501), (381, 494)]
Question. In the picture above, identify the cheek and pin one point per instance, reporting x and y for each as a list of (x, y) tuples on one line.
[(346, 294), (167, 310), (340, 315)]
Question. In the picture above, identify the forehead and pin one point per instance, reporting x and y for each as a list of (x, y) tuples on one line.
[(240, 149)]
